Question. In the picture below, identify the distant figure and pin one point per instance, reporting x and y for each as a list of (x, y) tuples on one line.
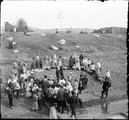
[(37, 62), (70, 77), (35, 102), (10, 44), (61, 98), (56, 31), (81, 59), (85, 63), (24, 67), (10, 96), (61, 72), (53, 112), (71, 62), (57, 73), (108, 74), (20, 69), (106, 86), (55, 59), (98, 66), (92, 68), (72, 101), (40, 63), (89, 63), (33, 64), (77, 63), (60, 61), (15, 67), (17, 89)]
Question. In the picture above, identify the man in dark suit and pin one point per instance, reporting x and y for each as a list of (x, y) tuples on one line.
[(10, 96), (72, 101), (106, 85), (57, 73), (45, 86), (61, 72), (61, 98)]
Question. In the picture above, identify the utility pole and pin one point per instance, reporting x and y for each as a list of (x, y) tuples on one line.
[(60, 17)]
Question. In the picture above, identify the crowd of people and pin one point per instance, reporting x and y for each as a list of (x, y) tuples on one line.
[(63, 91)]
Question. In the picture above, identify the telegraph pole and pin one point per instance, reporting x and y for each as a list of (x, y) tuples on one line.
[(60, 17)]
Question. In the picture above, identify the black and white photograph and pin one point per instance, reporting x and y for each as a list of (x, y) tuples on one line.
[(64, 59)]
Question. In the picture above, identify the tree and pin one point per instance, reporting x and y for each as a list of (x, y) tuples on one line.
[(21, 25)]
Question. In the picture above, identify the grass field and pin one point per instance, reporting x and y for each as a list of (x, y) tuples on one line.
[(108, 49)]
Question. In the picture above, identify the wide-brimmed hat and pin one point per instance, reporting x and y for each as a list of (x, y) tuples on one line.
[(51, 77)]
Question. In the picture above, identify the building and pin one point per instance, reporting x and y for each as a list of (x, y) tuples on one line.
[(112, 30), (8, 27)]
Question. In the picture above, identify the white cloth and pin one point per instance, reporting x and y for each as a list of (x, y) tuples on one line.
[(98, 65), (77, 64), (9, 80), (62, 82), (17, 86), (35, 88), (108, 74), (85, 61), (56, 90), (92, 67), (24, 76), (53, 113), (69, 86), (51, 82), (15, 79), (59, 63), (89, 62)]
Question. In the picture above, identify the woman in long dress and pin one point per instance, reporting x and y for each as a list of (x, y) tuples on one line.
[(77, 63), (85, 62), (59, 61), (35, 103), (28, 93), (55, 60), (46, 61)]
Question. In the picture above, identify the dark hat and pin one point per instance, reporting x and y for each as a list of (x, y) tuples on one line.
[(73, 92), (45, 76)]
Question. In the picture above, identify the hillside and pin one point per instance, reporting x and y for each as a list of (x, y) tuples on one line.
[(108, 49)]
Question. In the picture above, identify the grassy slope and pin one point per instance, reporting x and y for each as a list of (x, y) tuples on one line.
[(109, 50)]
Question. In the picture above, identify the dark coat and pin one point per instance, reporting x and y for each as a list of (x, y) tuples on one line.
[(31, 77), (61, 72), (61, 94), (10, 92), (33, 65), (57, 72), (37, 64), (45, 85), (81, 59), (72, 101), (71, 62), (106, 85)]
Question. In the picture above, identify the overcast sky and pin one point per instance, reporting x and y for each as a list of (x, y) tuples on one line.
[(84, 14)]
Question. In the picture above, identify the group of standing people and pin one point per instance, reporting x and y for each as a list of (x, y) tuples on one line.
[(60, 90), (47, 62), (82, 62)]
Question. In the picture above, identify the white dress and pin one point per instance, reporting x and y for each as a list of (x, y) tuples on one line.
[(77, 63)]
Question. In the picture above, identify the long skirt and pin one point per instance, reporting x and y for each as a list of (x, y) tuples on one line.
[(78, 65), (35, 105)]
